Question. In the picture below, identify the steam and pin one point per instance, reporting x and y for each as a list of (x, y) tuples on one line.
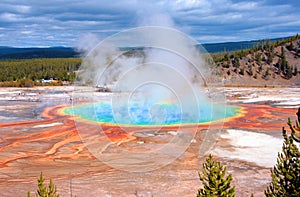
[(169, 68), (109, 57), (159, 84), (157, 19), (87, 43)]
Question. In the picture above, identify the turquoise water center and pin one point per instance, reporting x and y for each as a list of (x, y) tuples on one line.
[(158, 114)]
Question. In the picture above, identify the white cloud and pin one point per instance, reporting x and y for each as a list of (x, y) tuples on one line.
[(50, 37), (245, 6), (26, 32), (209, 20), (183, 4), (216, 38), (22, 8), (10, 17)]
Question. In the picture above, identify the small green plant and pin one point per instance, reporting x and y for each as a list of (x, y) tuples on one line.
[(214, 180), (242, 71), (250, 71), (43, 190), (295, 71), (286, 173), (295, 128)]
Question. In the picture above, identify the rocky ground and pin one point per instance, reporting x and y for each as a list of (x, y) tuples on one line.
[(35, 136)]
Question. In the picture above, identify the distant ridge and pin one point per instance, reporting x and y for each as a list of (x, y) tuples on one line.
[(7, 52), (36, 52), (266, 64), (233, 46)]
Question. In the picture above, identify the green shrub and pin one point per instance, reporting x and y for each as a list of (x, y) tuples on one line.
[(286, 173), (214, 180)]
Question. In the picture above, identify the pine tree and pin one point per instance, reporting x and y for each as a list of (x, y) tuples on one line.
[(214, 180), (43, 191), (283, 62), (52, 190), (295, 128), (250, 71), (242, 71), (295, 71), (289, 72), (260, 67), (286, 173)]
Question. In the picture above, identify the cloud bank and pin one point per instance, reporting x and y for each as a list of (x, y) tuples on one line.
[(62, 22)]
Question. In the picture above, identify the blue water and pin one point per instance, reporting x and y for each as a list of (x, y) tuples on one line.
[(159, 114)]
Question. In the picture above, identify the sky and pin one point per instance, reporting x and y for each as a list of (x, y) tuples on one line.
[(27, 23)]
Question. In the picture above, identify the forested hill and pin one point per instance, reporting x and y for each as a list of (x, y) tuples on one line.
[(32, 53), (67, 52), (267, 63), (234, 46), (30, 72)]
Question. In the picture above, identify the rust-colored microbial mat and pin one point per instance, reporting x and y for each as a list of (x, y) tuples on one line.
[(52, 144)]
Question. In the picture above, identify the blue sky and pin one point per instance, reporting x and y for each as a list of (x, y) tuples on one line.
[(65, 22)]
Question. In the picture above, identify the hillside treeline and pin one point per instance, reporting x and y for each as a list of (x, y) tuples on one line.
[(31, 72), (265, 60)]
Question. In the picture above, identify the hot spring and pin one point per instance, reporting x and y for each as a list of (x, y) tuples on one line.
[(160, 114), (161, 80), (170, 80)]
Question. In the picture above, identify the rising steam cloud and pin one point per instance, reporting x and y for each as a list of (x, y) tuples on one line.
[(105, 64), (169, 68)]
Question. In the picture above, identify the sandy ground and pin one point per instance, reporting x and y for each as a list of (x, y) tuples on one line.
[(35, 137)]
